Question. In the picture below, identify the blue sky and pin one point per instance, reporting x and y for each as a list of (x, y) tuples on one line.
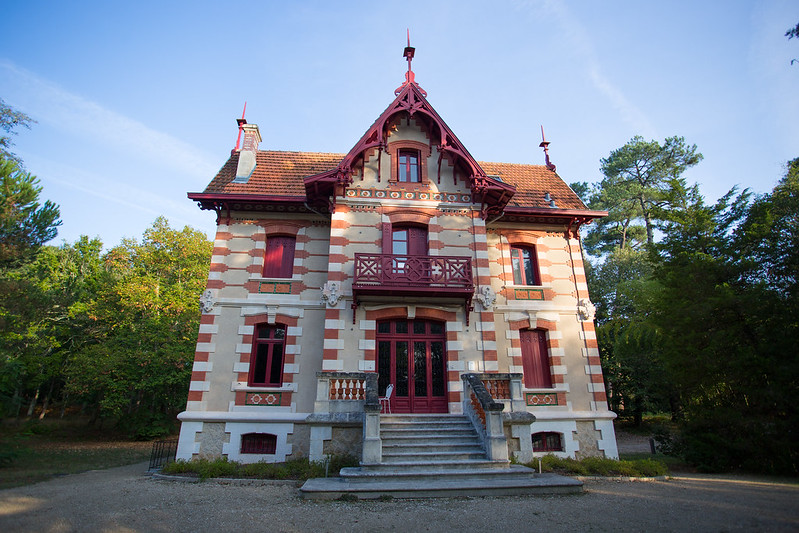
[(136, 102)]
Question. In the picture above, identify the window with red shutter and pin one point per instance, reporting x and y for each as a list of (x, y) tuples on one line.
[(535, 359), (279, 257)]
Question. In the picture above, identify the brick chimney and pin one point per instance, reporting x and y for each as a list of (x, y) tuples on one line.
[(248, 151)]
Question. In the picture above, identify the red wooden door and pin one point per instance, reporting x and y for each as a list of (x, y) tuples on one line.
[(535, 359), (411, 355)]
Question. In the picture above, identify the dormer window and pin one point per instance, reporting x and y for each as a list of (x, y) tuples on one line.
[(408, 161)]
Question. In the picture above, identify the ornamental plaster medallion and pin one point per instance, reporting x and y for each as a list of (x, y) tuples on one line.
[(486, 296), (586, 310), (331, 293), (207, 301)]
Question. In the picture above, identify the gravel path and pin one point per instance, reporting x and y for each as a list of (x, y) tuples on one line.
[(124, 499)]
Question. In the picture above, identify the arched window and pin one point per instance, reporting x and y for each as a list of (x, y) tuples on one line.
[(525, 265), (266, 361), (279, 256), (263, 443), (547, 441)]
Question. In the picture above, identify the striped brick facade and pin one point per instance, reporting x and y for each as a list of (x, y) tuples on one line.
[(329, 329)]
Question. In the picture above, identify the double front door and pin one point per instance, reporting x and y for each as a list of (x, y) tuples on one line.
[(411, 355)]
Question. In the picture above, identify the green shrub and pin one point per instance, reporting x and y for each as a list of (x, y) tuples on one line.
[(600, 466), (298, 468)]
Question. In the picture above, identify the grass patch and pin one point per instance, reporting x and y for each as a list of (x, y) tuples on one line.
[(600, 466), (299, 469), (36, 451)]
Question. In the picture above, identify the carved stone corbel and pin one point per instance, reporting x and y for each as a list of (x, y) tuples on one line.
[(331, 293), (585, 310), (486, 296), (207, 301)]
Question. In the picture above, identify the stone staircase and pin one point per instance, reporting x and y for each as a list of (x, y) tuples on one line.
[(429, 456)]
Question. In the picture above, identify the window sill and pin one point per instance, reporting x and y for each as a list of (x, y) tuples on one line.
[(262, 388)]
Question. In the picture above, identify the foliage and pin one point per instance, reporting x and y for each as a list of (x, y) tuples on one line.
[(600, 466), (299, 468), (25, 224), (138, 367), (113, 333), (642, 179), (10, 118)]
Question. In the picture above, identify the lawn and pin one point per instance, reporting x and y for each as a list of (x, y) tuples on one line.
[(36, 451)]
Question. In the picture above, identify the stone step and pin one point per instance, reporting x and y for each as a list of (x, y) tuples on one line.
[(422, 434), (440, 487), (433, 425), (433, 440), (468, 470), (437, 465), (394, 457), (424, 447)]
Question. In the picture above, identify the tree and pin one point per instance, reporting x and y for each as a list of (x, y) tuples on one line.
[(25, 224), (639, 184), (147, 317), (10, 119)]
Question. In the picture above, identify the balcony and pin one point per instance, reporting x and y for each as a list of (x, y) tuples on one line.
[(413, 275)]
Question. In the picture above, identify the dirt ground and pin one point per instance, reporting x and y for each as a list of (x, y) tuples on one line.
[(126, 499)]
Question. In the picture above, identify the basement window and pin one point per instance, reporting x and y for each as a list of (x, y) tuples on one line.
[(547, 441), (261, 443)]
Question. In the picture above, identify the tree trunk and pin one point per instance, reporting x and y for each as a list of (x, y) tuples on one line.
[(46, 403), (32, 405)]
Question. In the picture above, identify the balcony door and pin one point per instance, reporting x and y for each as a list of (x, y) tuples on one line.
[(411, 355), (409, 240)]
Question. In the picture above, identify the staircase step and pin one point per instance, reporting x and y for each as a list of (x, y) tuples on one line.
[(424, 448), (442, 487)]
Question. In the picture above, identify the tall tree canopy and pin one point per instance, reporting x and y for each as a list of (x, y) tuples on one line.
[(641, 181), (25, 223), (10, 119)]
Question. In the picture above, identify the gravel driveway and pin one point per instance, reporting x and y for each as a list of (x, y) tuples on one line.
[(124, 499)]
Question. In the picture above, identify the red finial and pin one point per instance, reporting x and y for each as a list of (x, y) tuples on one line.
[(545, 145), (241, 122), (410, 77)]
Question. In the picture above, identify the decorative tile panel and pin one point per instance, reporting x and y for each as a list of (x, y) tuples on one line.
[(274, 287), (537, 399), (263, 398), (528, 294), (409, 195)]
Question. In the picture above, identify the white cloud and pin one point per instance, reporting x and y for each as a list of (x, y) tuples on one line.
[(48, 102), (578, 38)]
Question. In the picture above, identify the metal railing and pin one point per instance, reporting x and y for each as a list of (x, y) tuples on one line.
[(163, 452)]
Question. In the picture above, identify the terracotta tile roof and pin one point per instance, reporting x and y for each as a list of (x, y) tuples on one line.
[(281, 174), (532, 182), (277, 173)]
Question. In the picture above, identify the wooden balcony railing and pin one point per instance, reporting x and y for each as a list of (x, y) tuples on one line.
[(400, 274)]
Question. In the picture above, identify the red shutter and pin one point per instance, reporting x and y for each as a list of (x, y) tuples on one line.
[(535, 359), (279, 257), (386, 242), (417, 241)]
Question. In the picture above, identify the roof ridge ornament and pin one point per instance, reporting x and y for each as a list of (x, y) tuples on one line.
[(410, 77), (241, 122), (545, 145)]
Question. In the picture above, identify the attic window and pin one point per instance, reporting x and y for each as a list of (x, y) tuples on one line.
[(495, 177), (408, 161)]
